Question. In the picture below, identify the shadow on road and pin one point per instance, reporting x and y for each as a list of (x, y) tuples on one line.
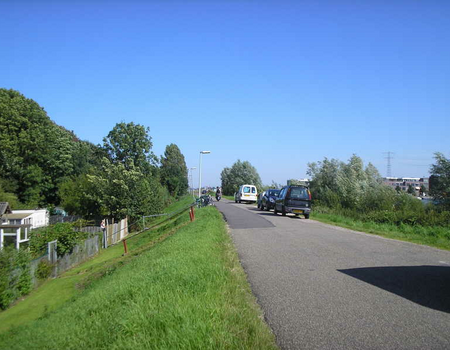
[(428, 286)]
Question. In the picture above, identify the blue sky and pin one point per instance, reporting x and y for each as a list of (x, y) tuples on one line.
[(277, 83)]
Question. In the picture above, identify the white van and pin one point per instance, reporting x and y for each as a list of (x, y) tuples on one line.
[(246, 193)]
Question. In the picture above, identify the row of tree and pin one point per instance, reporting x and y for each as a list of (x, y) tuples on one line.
[(351, 185), (42, 164)]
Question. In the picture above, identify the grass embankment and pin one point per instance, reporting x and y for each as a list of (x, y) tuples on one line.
[(438, 236), (188, 291), (55, 292)]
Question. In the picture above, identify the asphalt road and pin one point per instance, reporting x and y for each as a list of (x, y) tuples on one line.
[(325, 287)]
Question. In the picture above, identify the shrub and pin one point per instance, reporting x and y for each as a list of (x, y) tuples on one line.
[(67, 238), (15, 278), (43, 270)]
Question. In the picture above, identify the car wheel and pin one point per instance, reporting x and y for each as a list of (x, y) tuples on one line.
[(268, 207), (239, 201), (306, 216), (283, 211)]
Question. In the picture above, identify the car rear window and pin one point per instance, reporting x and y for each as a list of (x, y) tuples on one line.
[(246, 189), (253, 189), (299, 193)]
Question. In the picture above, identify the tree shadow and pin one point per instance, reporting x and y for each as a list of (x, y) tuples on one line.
[(428, 286)]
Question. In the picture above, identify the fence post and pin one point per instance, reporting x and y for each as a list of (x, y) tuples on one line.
[(125, 247), (191, 213)]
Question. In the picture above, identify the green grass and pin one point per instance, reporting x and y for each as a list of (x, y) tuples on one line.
[(438, 237), (54, 293), (188, 291), (231, 198)]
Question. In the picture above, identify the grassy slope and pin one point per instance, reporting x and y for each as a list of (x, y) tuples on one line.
[(438, 237), (55, 292), (187, 292)]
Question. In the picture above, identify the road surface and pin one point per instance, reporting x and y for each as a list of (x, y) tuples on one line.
[(325, 287)]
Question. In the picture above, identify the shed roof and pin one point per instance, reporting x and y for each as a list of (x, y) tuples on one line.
[(5, 208), (16, 216)]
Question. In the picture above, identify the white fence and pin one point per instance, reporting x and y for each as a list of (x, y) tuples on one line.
[(115, 232)]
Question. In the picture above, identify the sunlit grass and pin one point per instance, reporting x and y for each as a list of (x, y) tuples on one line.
[(188, 291), (438, 237), (55, 292)]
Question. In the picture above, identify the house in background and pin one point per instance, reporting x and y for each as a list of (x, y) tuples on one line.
[(35, 218), (15, 225)]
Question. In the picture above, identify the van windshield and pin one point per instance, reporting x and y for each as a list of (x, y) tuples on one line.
[(299, 193)]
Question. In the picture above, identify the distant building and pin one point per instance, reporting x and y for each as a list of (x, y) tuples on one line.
[(15, 225), (405, 182), (34, 218)]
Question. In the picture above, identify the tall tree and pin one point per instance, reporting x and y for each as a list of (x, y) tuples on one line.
[(174, 172), (240, 173), (129, 141), (36, 153), (349, 185), (123, 189), (440, 180)]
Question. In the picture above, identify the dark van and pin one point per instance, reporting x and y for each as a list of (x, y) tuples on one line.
[(295, 199)]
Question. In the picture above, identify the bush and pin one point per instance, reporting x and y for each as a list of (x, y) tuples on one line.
[(44, 269), (15, 278), (67, 238)]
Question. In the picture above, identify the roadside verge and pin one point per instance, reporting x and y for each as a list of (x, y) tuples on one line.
[(189, 291)]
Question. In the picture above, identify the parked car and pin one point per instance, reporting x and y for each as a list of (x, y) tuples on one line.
[(267, 199), (246, 193), (295, 199)]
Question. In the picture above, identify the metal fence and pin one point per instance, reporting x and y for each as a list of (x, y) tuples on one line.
[(59, 264), (56, 219)]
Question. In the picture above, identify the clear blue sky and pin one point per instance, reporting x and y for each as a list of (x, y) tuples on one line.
[(277, 83)]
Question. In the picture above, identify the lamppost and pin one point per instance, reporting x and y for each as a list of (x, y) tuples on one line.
[(200, 173), (192, 180)]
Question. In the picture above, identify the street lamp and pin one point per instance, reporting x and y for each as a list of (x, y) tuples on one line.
[(200, 173), (192, 180)]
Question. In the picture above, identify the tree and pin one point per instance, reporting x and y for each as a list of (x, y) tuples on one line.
[(36, 154), (440, 180), (240, 173), (130, 142), (411, 190), (174, 172), (423, 190), (122, 189), (9, 197), (78, 197), (349, 185)]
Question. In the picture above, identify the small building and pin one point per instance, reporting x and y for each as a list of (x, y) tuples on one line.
[(34, 218), (15, 225)]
